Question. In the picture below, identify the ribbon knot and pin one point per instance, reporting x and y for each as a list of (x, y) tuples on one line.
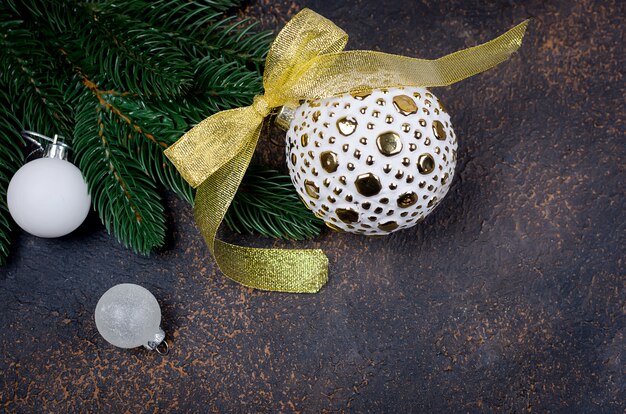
[(261, 106), (305, 62)]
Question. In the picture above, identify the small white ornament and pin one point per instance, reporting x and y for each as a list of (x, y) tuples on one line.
[(372, 163), (48, 197), (128, 316)]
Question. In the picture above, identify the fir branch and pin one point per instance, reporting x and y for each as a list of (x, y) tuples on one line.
[(122, 193), (133, 125), (27, 73), (268, 204), (11, 159), (201, 29)]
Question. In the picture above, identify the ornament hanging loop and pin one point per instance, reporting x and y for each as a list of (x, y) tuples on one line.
[(165, 346)]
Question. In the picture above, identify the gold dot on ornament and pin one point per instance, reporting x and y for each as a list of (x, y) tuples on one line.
[(325, 208), (342, 180), (368, 184), (345, 147), (418, 135), (326, 182), (432, 202), (370, 125), (387, 168), (311, 189), (360, 95), (346, 126), (389, 143), (337, 190), (422, 122), (369, 160), (407, 199), (294, 158), (363, 110), (378, 210), (425, 164), (428, 95), (331, 199), (314, 171), (439, 131), (316, 116), (375, 114), (363, 141), (304, 139), (388, 226), (350, 166), (406, 162), (409, 179), (331, 140), (357, 154), (412, 147), (347, 215), (380, 101), (427, 141), (444, 179), (333, 227), (389, 119), (329, 161), (405, 105), (366, 206), (427, 103), (399, 174), (426, 111), (384, 200), (406, 127), (348, 198)]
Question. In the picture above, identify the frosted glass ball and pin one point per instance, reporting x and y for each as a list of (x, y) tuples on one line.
[(372, 163), (128, 316), (48, 197)]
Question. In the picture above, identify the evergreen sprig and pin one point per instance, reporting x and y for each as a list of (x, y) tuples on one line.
[(11, 159), (122, 80), (267, 204)]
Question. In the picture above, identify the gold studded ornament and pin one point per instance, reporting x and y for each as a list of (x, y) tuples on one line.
[(372, 163)]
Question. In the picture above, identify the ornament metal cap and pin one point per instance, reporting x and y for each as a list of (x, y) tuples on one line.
[(155, 343), (284, 117), (55, 148)]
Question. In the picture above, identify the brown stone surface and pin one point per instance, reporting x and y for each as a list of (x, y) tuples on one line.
[(508, 298)]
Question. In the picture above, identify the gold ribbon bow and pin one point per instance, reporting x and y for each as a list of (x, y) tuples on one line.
[(306, 61)]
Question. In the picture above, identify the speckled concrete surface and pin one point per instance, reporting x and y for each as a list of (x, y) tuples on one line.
[(508, 298)]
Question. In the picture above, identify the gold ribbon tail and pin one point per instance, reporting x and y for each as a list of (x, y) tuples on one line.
[(295, 271)]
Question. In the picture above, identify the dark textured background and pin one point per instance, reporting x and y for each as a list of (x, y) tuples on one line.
[(509, 297)]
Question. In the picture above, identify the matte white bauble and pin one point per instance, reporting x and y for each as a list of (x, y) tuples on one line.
[(48, 197), (372, 163), (128, 316)]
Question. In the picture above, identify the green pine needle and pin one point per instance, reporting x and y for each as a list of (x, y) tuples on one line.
[(268, 204)]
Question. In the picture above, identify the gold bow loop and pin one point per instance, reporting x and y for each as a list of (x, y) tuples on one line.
[(306, 61)]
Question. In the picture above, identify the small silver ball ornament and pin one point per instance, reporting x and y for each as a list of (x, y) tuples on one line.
[(128, 316), (372, 163)]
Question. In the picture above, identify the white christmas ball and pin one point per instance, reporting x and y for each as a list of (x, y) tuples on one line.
[(128, 316), (48, 197), (372, 163)]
